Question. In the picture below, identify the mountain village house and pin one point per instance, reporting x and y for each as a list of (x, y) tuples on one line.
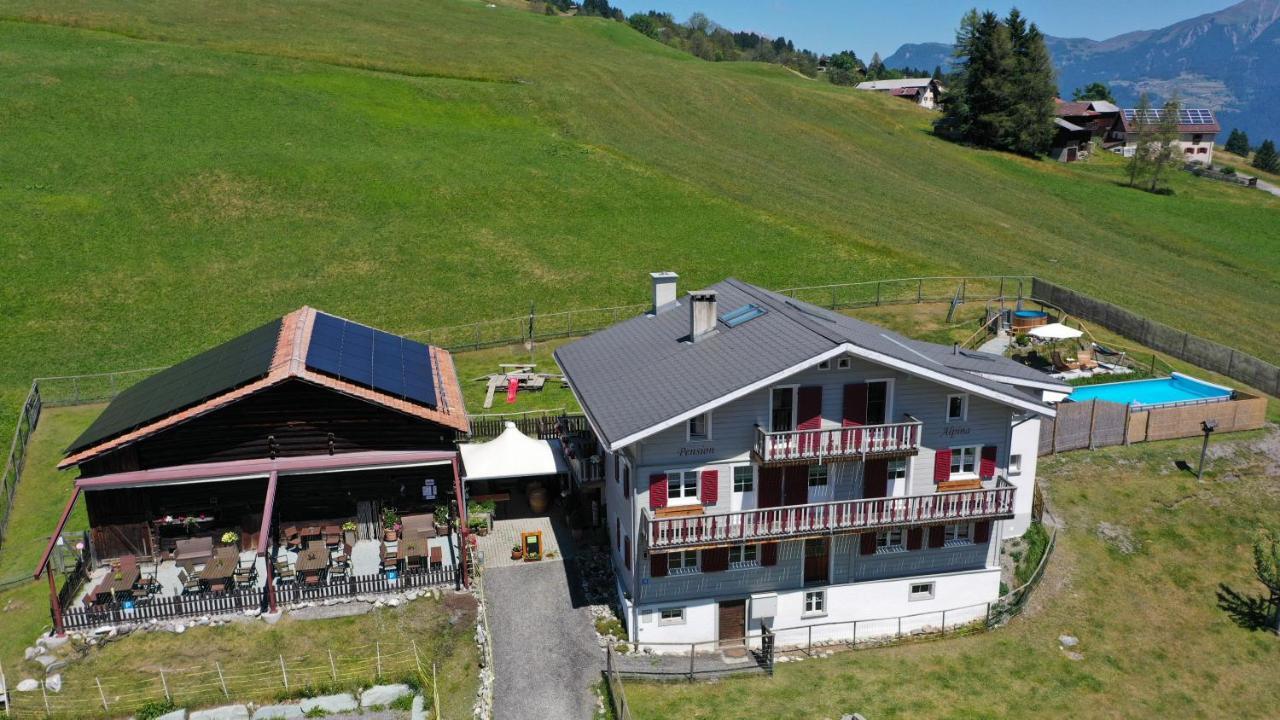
[(1197, 130), (772, 463), (921, 91)]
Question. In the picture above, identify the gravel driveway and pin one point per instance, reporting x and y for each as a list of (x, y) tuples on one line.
[(545, 657)]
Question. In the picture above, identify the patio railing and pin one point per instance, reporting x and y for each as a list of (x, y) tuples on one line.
[(237, 601), (818, 445)]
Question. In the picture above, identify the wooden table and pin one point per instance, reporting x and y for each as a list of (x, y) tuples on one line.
[(411, 550), (120, 581), (313, 559), (221, 568)]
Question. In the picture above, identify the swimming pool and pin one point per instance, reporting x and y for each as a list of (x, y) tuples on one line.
[(1175, 390)]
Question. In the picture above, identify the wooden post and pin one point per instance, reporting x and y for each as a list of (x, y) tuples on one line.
[(809, 650), (1128, 409), (333, 667), (8, 707), (692, 650), (1093, 415), (919, 291), (284, 673), (222, 680), (165, 684), (101, 694), (877, 293), (58, 627), (377, 649)]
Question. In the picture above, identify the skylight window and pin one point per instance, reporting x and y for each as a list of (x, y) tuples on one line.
[(737, 316)]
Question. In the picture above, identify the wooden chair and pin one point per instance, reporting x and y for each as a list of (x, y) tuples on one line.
[(1085, 358), (285, 573), (190, 583), (1064, 365), (339, 573), (437, 558), (311, 579), (245, 576)]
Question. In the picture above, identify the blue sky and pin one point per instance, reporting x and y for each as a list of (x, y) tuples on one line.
[(826, 26)]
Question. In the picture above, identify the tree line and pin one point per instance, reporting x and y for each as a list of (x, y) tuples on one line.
[(1264, 158)]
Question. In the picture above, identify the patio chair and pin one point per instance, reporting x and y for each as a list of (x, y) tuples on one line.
[(339, 573), (244, 576), (1085, 357), (190, 583), (311, 579), (332, 536), (285, 573), (437, 558), (1063, 365)]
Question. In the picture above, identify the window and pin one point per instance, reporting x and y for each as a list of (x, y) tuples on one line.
[(877, 402), (683, 562), (700, 427), (824, 365), (817, 476), (957, 407), (896, 477), (1189, 150), (961, 534), (964, 462), (682, 485), (921, 591), (889, 541), (744, 479), (744, 556), (815, 602), (1015, 464), (782, 413), (1202, 151), (844, 363), (898, 469), (671, 616)]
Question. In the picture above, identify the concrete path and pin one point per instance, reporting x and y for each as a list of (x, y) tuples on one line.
[(1268, 187), (546, 661), (996, 345)]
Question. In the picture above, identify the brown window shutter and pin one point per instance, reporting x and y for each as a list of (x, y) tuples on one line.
[(715, 560), (855, 404), (657, 564), (769, 494), (982, 531), (769, 554), (875, 478), (915, 538), (657, 491), (796, 485), (937, 536), (867, 544)]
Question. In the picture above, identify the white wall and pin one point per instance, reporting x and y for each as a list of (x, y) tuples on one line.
[(1025, 442)]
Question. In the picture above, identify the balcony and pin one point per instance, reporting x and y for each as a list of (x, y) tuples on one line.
[(858, 442), (793, 522)]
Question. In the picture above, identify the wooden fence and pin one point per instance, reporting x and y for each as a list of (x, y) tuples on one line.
[(1098, 423), (237, 601), (541, 426)]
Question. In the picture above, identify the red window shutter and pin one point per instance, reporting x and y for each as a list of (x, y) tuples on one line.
[(915, 538), (657, 491), (987, 464), (867, 544), (769, 493), (937, 536), (942, 465), (715, 560), (855, 404), (710, 486), (809, 408), (626, 553), (982, 531), (657, 564), (769, 554), (875, 478), (795, 485)]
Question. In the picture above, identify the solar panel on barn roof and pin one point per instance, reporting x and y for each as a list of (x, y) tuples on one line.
[(372, 358)]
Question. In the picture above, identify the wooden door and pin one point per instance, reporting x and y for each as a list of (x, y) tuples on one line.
[(796, 485), (769, 494), (815, 561), (733, 622)]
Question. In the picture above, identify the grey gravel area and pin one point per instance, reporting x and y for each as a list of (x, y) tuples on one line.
[(545, 656)]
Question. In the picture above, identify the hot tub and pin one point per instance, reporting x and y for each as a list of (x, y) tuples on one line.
[(1023, 320)]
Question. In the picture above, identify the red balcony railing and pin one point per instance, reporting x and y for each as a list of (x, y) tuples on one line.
[(859, 441), (829, 518)]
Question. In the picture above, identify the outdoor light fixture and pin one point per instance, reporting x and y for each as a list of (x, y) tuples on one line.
[(1208, 426)]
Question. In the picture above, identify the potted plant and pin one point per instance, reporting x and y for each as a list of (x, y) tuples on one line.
[(479, 525), (390, 524), (516, 552), (442, 519), (190, 524), (230, 537), (349, 532)]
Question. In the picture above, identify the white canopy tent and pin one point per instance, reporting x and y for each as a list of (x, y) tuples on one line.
[(511, 455), (1055, 331)]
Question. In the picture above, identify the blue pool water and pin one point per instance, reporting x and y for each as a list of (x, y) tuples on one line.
[(1030, 313), (1147, 393)]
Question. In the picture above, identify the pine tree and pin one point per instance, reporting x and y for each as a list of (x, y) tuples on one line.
[(876, 69), (1238, 143), (1093, 91), (988, 83), (1139, 162), (957, 115), (937, 72), (1266, 158), (1029, 129), (1266, 565)]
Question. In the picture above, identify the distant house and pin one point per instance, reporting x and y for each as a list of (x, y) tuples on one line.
[(1197, 129), (1099, 117), (1070, 141), (924, 92)]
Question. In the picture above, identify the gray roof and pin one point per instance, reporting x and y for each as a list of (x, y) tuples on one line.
[(641, 372), (893, 84)]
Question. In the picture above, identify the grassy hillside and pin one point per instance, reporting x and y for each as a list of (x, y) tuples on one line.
[(190, 169)]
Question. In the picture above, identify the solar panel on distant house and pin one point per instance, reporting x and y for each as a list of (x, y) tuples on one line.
[(372, 358)]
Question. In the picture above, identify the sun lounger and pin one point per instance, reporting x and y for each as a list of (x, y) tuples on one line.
[(1064, 365), (1085, 358)]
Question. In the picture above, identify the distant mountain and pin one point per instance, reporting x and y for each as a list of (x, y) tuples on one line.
[(1228, 61)]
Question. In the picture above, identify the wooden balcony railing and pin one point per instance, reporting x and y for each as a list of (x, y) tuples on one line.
[(829, 518), (859, 441)]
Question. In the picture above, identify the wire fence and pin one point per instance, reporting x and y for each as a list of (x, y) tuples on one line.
[(319, 672)]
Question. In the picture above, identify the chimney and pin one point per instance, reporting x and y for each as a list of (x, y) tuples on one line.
[(664, 290), (702, 314)]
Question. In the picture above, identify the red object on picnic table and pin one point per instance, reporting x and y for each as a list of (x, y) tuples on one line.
[(513, 385)]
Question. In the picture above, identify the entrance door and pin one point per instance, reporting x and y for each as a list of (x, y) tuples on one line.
[(733, 622), (815, 561)]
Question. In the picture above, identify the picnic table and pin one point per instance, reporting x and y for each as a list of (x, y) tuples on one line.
[(412, 550), (312, 560), (119, 580), (217, 573)]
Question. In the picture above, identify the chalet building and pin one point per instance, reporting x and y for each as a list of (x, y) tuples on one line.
[(307, 420), (1099, 117), (924, 92), (1197, 131), (770, 462), (1070, 142)]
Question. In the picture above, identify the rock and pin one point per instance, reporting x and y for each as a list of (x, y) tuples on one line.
[(53, 642), (179, 628), (344, 702), (1073, 655), (852, 716), (393, 602), (268, 712), (272, 618), (46, 661), (105, 630), (225, 712), (383, 695), (27, 685), (30, 653), (419, 709), (53, 683), (1068, 641), (175, 715)]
